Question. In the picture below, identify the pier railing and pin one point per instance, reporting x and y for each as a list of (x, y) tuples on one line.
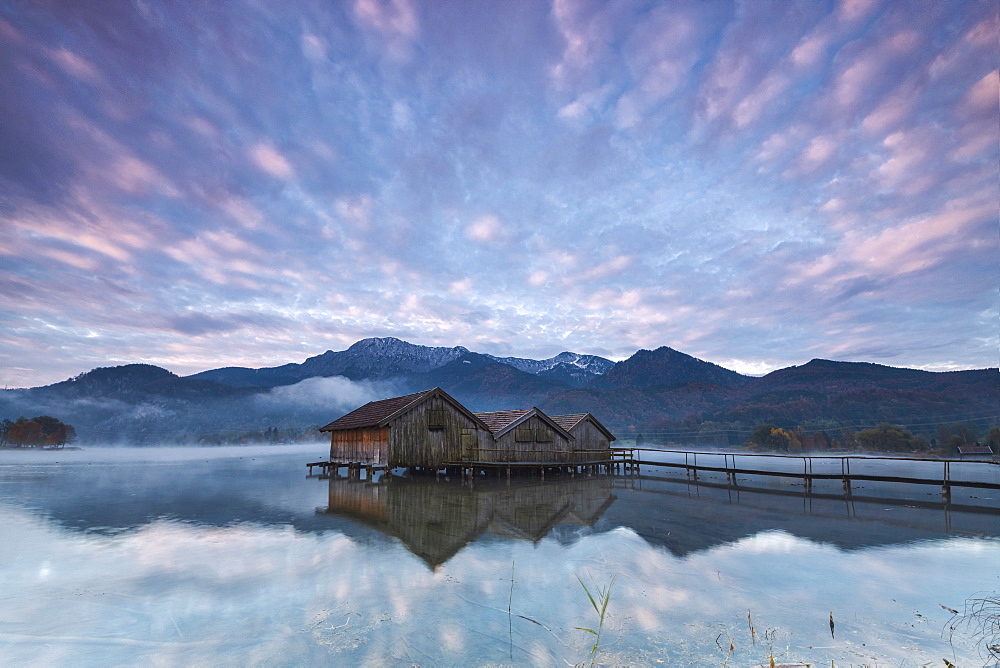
[(809, 472), (503, 456)]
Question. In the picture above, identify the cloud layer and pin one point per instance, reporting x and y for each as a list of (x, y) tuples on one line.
[(251, 185)]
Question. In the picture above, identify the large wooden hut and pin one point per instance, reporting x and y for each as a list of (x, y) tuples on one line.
[(424, 429), (527, 435), (588, 432)]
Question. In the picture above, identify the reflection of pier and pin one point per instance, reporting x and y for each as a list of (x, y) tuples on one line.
[(809, 472), (436, 519)]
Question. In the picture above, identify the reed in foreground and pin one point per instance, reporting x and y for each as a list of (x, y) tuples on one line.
[(600, 605)]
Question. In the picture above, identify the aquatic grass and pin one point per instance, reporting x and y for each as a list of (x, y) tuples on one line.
[(729, 654), (600, 605), (981, 616), (510, 618)]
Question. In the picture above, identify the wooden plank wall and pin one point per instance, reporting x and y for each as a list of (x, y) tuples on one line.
[(365, 446), (414, 442), (589, 437), (508, 448)]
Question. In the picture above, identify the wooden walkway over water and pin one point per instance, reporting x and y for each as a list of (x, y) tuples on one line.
[(572, 463), (808, 474), (732, 465)]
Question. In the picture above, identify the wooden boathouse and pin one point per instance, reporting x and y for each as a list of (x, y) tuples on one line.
[(587, 431), (431, 430), (525, 436), (425, 429)]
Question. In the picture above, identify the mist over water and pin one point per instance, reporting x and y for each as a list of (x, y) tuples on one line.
[(222, 415), (230, 555)]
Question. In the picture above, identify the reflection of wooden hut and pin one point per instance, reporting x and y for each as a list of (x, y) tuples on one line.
[(425, 429), (435, 520), (525, 436), (589, 433)]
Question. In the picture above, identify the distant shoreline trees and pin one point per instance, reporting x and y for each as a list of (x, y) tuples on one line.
[(43, 431), (886, 437), (768, 437)]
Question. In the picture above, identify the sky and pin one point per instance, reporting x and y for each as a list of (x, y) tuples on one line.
[(757, 184)]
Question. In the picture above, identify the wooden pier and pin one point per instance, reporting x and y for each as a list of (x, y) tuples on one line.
[(808, 474), (354, 469), (628, 460), (583, 462)]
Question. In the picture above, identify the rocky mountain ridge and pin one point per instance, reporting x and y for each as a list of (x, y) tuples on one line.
[(656, 391)]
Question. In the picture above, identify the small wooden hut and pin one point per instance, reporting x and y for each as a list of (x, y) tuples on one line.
[(975, 452), (588, 432), (527, 435), (426, 429)]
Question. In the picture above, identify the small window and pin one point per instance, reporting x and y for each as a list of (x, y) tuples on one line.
[(436, 418), (543, 435), (524, 435), (469, 439)]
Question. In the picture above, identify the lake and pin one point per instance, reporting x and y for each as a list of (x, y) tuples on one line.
[(232, 556)]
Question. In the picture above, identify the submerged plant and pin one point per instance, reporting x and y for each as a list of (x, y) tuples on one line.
[(600, 605), (982, 617)]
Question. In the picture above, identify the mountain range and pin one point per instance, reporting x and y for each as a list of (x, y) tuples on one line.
[(662, 391)]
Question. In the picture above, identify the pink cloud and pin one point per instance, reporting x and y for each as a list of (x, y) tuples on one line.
[(908, 153), (920, 243), (10, 34), (75, 65), (810, 49), (614, 266), (268, 159), (85, 224), (852, 10), (984, 95), (395, 21), (817, 153), (893, 110), (862, 78), (750, 108), (486, 229)]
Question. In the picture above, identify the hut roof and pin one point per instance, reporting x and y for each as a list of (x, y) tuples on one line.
[(374, 413), (975, 450), (381, 413), (497, 420), (568, 422), (500, 422)]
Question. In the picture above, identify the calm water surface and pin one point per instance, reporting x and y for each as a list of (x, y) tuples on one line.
[(231, 556)]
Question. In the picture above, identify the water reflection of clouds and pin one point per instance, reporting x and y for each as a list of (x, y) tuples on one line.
[(175, 593)]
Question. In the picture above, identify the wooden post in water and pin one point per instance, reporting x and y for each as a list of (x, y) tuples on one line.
[(946, 483), (845, 472)]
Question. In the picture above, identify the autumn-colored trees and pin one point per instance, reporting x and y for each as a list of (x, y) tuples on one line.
[(771, 438), (41, 431), (887, 437)]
